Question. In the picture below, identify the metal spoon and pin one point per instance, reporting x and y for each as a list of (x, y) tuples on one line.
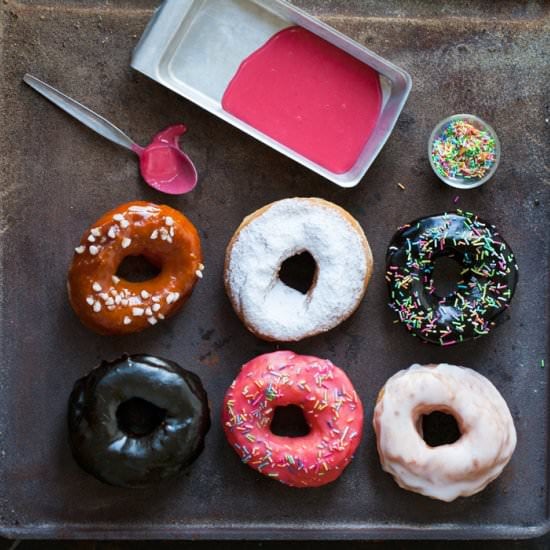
[(163, 165)]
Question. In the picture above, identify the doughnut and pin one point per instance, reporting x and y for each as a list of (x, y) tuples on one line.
[(138, 420), (487, 433), (488, 277), (274, 311), (108, 304), (330, 406)]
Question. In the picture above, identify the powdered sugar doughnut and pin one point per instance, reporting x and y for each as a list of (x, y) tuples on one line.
[(331, 408), (265, 239), (445, 472)]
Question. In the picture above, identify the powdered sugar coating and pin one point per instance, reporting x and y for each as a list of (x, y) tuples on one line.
[(463, 468), (281, 230)]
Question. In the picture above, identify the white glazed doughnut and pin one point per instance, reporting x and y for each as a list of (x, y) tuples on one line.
[(445, 472), (265, 239)]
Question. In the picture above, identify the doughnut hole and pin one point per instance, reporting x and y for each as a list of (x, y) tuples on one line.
[(137, 417), (289, 421), (137, 269), (438, 427), (446, 275), (299, 271)]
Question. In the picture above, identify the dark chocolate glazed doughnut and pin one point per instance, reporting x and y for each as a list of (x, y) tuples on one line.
[(137, 420), (488, 277)]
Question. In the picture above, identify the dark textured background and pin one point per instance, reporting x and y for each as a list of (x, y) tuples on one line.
[(467, 56)]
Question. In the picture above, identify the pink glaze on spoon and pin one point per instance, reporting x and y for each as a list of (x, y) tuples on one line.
[(164, 166)]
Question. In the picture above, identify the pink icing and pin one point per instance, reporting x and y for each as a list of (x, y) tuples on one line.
[(164, 165), (310, 96), (331, 408)]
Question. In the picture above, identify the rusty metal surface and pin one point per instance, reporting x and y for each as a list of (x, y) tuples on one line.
[(57, 177)]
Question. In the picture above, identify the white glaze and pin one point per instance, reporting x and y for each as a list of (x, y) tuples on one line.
[(289, 227), (445, 472)]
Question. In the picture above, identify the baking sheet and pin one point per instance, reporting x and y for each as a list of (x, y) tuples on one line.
[(57, 183)]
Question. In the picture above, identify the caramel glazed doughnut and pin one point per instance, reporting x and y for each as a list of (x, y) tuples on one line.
[(265, 239), (445, 472), (108, 304)]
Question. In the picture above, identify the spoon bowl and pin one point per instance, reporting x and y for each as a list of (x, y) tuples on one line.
[(164, 166), (168, 170)]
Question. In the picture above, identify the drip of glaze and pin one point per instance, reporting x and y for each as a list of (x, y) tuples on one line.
[(164, 166), (309, 95)]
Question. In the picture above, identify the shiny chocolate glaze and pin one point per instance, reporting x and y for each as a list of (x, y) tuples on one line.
[(137, 420)]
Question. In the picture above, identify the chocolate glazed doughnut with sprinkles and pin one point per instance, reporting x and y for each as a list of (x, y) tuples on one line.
[(487, 279)]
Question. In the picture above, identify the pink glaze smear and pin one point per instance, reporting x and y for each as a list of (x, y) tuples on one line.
[(308, 95), (164, 165)]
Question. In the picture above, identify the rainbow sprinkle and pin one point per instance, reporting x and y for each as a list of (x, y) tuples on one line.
[(463, 151)]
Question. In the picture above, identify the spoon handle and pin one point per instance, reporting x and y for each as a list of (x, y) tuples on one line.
[(94, 121)]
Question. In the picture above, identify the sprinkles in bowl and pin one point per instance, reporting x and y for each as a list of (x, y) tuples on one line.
[(464, 151)]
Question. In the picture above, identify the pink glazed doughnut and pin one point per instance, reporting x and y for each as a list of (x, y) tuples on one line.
[(331, 408)]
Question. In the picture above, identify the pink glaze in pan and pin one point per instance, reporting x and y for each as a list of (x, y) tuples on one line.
[(310, 96)]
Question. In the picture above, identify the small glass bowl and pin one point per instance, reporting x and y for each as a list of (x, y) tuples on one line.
[(459, 182)]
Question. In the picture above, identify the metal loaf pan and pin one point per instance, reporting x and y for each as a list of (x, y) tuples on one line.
[(194, 47)]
